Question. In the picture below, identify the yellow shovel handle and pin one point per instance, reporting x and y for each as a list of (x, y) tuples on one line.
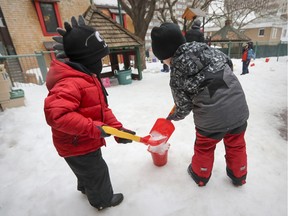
[(121, 134)]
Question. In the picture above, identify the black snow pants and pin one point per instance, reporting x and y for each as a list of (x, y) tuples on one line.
[(93, 177)]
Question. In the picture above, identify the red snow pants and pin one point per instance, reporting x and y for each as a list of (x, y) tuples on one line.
[(235, 149)]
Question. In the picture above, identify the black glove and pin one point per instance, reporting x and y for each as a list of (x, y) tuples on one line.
[(170, 117), (103, 133), (122, 140), (59, 39)]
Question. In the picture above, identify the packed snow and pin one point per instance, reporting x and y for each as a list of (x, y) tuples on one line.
[(35, 181)]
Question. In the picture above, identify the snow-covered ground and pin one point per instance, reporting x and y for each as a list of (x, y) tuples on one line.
[(35, 181)]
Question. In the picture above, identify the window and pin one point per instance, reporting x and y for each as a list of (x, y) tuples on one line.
[(49, 16), (116, 17), (284, 33), (261, 33), (274, 32)]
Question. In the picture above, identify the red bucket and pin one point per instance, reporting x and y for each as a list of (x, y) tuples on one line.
[(267, 60), (159, 154), (159, 159), (161, 128)]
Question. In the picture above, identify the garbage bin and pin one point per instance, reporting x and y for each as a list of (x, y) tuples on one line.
[(124, 76)]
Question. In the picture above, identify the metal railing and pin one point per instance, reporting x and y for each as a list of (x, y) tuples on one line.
[(262, 49), (27, 69), (32, 68)]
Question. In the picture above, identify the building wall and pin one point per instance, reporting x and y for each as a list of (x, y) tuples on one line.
[(268, 34), (24, 26), (253, 33), (130, 25)]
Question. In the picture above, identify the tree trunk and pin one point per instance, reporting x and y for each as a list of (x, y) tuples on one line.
[(141, 13)]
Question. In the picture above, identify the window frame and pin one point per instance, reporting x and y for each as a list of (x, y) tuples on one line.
[(274, 33), (41, 18), (114, 17), (260, 35), (284, 34)]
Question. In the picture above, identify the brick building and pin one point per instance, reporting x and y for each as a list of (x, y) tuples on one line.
[(29, 25)]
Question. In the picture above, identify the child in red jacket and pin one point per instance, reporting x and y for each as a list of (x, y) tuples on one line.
[(247, 55), (76, 108)]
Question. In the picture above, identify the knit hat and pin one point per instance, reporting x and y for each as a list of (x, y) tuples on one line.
[(83, 44), (166, 39), (250, 44), (196, 24)]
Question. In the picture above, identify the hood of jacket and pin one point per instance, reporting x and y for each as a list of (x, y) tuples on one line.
[(59, 70)]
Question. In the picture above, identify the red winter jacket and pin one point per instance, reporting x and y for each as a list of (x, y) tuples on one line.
[(73, 108), (245, 55)]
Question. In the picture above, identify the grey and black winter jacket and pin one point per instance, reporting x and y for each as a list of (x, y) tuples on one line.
[(202, 81)]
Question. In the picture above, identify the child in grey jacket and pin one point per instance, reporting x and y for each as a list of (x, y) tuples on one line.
[(202, 81)]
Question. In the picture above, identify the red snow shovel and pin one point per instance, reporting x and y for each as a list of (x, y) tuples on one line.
[(160, 133), (146, 140), (162, 128)]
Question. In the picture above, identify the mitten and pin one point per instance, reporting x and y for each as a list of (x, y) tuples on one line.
[(170, 117), (122, 140), (103, 133)]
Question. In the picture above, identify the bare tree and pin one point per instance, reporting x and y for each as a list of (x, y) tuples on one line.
[(166, 11), (241, 12), (141, 13)]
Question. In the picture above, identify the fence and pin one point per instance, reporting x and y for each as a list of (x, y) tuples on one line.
[(262, 49), (31, 68)]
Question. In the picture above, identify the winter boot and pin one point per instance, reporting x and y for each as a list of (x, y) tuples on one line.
[(198, 180), (236, 181), (116, 200)]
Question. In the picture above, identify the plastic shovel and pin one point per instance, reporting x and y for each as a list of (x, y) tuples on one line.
[(160, 132), (162, 128), (147, 140)]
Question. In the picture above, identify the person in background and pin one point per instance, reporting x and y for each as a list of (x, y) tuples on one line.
[(165, 67), (76, 108), (202, 81), (208, 40), (195, 34), (247, 55)]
